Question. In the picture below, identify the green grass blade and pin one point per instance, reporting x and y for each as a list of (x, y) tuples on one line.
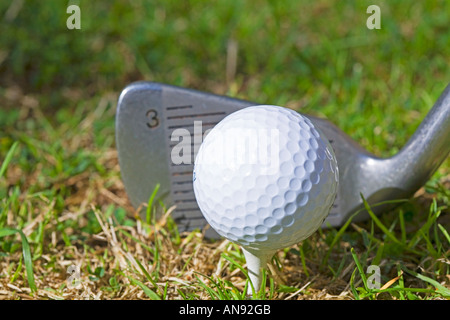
[(400, 289), (345, 226), (303, 259), (26, 254), (385, 230), (145, 246), (8, 158), (337, 237), (352, 285), (236, 264), (360, 268), (430, 248), (379, 254), (439, 287), (213, 294), (147, 275), (377, 221), (150, 204), (148, 292), (402, 227), (261, 292), (401, 282), (447, 236), (423, 231), (17, 272)]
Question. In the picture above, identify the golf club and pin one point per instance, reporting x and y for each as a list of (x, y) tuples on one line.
[(148, 114)]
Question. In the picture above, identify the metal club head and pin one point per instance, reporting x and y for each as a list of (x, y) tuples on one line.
[(153, 118)]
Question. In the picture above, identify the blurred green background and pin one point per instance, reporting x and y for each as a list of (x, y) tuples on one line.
[(317, 57)]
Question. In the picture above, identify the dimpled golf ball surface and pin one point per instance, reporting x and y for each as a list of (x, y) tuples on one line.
[(265, 177)]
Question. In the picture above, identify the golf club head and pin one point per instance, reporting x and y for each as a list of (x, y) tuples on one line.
[(153, 118)]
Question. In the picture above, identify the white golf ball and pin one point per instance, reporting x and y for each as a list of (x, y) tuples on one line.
[(265, 178)]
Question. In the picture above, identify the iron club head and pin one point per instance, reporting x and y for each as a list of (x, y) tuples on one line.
[(152, 118)]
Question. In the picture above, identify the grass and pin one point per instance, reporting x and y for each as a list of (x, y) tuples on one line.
[(62, 202)]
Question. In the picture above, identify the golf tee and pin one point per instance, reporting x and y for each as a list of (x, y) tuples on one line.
[(256, 261)]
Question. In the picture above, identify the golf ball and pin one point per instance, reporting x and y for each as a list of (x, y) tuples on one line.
[(265, 177)]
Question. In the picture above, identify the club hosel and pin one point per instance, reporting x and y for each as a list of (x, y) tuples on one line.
[(428, 147)]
